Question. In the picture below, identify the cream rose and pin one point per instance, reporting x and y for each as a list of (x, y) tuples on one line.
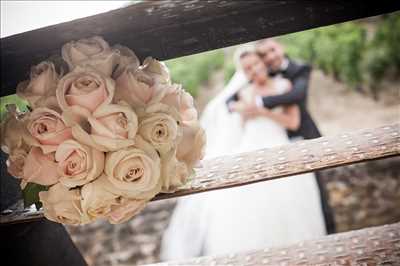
[(112, 127), (39, 168), (135, 171), (191, 147), (182, 101), (40, 89), (62, 205), (47, 128), (159, 126), (98, 197), (101, 199), (84, 89), (78, 164), (93, 51), (173, 172), (125, 210)]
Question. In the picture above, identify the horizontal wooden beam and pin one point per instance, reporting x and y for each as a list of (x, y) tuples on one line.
[(293, 159), (269, 164), (372, 246), (170, 29)]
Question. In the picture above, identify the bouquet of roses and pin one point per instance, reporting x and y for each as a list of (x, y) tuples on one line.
[(103, 138)]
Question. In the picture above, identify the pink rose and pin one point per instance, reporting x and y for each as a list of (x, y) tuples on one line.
[(48, 129), (93, 51), (112, 127), (78, 164), (125, 210), (182, 101), (136, 88), (143, 85), (40, 89), (40, 168), (191, 147), (62, 205), (84, 88)]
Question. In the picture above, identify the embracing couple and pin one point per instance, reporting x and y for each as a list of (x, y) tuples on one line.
[(263, 106)]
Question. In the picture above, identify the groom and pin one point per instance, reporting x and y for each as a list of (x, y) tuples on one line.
[(278, 63)]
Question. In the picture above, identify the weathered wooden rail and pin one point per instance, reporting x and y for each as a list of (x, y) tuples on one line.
[(170, 29), (269, 164), (371, 246)]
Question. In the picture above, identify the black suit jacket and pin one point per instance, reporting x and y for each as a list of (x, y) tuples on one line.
[(299, 75)]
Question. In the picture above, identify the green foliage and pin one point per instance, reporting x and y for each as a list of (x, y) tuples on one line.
[(384, 49), (229, 70), (11, 99), (31, 194), (337, 50), (345, 52), (192, 71)]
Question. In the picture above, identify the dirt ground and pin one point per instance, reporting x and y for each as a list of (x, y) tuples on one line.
[(336, 108)]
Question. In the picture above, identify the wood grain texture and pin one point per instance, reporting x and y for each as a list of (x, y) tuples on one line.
[(293, 159), (371, 246), (269, 164), (170, 29)]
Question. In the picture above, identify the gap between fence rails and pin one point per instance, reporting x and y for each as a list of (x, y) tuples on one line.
[(283, 161)]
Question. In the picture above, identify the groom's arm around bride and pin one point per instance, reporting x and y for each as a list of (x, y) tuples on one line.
[(299, 75), (278, 63)]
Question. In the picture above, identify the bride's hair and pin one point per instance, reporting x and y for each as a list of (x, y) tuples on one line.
[(242, 51)]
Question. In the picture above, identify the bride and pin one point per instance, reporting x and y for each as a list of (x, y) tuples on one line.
[(256, 216)]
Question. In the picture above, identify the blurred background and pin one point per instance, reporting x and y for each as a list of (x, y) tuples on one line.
[(355, 83)]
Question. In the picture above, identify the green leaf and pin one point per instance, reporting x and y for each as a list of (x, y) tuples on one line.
[(31, 194)]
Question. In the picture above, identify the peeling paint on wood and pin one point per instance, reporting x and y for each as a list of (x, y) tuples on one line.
[(170, 29)]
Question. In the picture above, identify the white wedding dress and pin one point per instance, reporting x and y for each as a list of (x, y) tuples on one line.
[(256, 216)]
